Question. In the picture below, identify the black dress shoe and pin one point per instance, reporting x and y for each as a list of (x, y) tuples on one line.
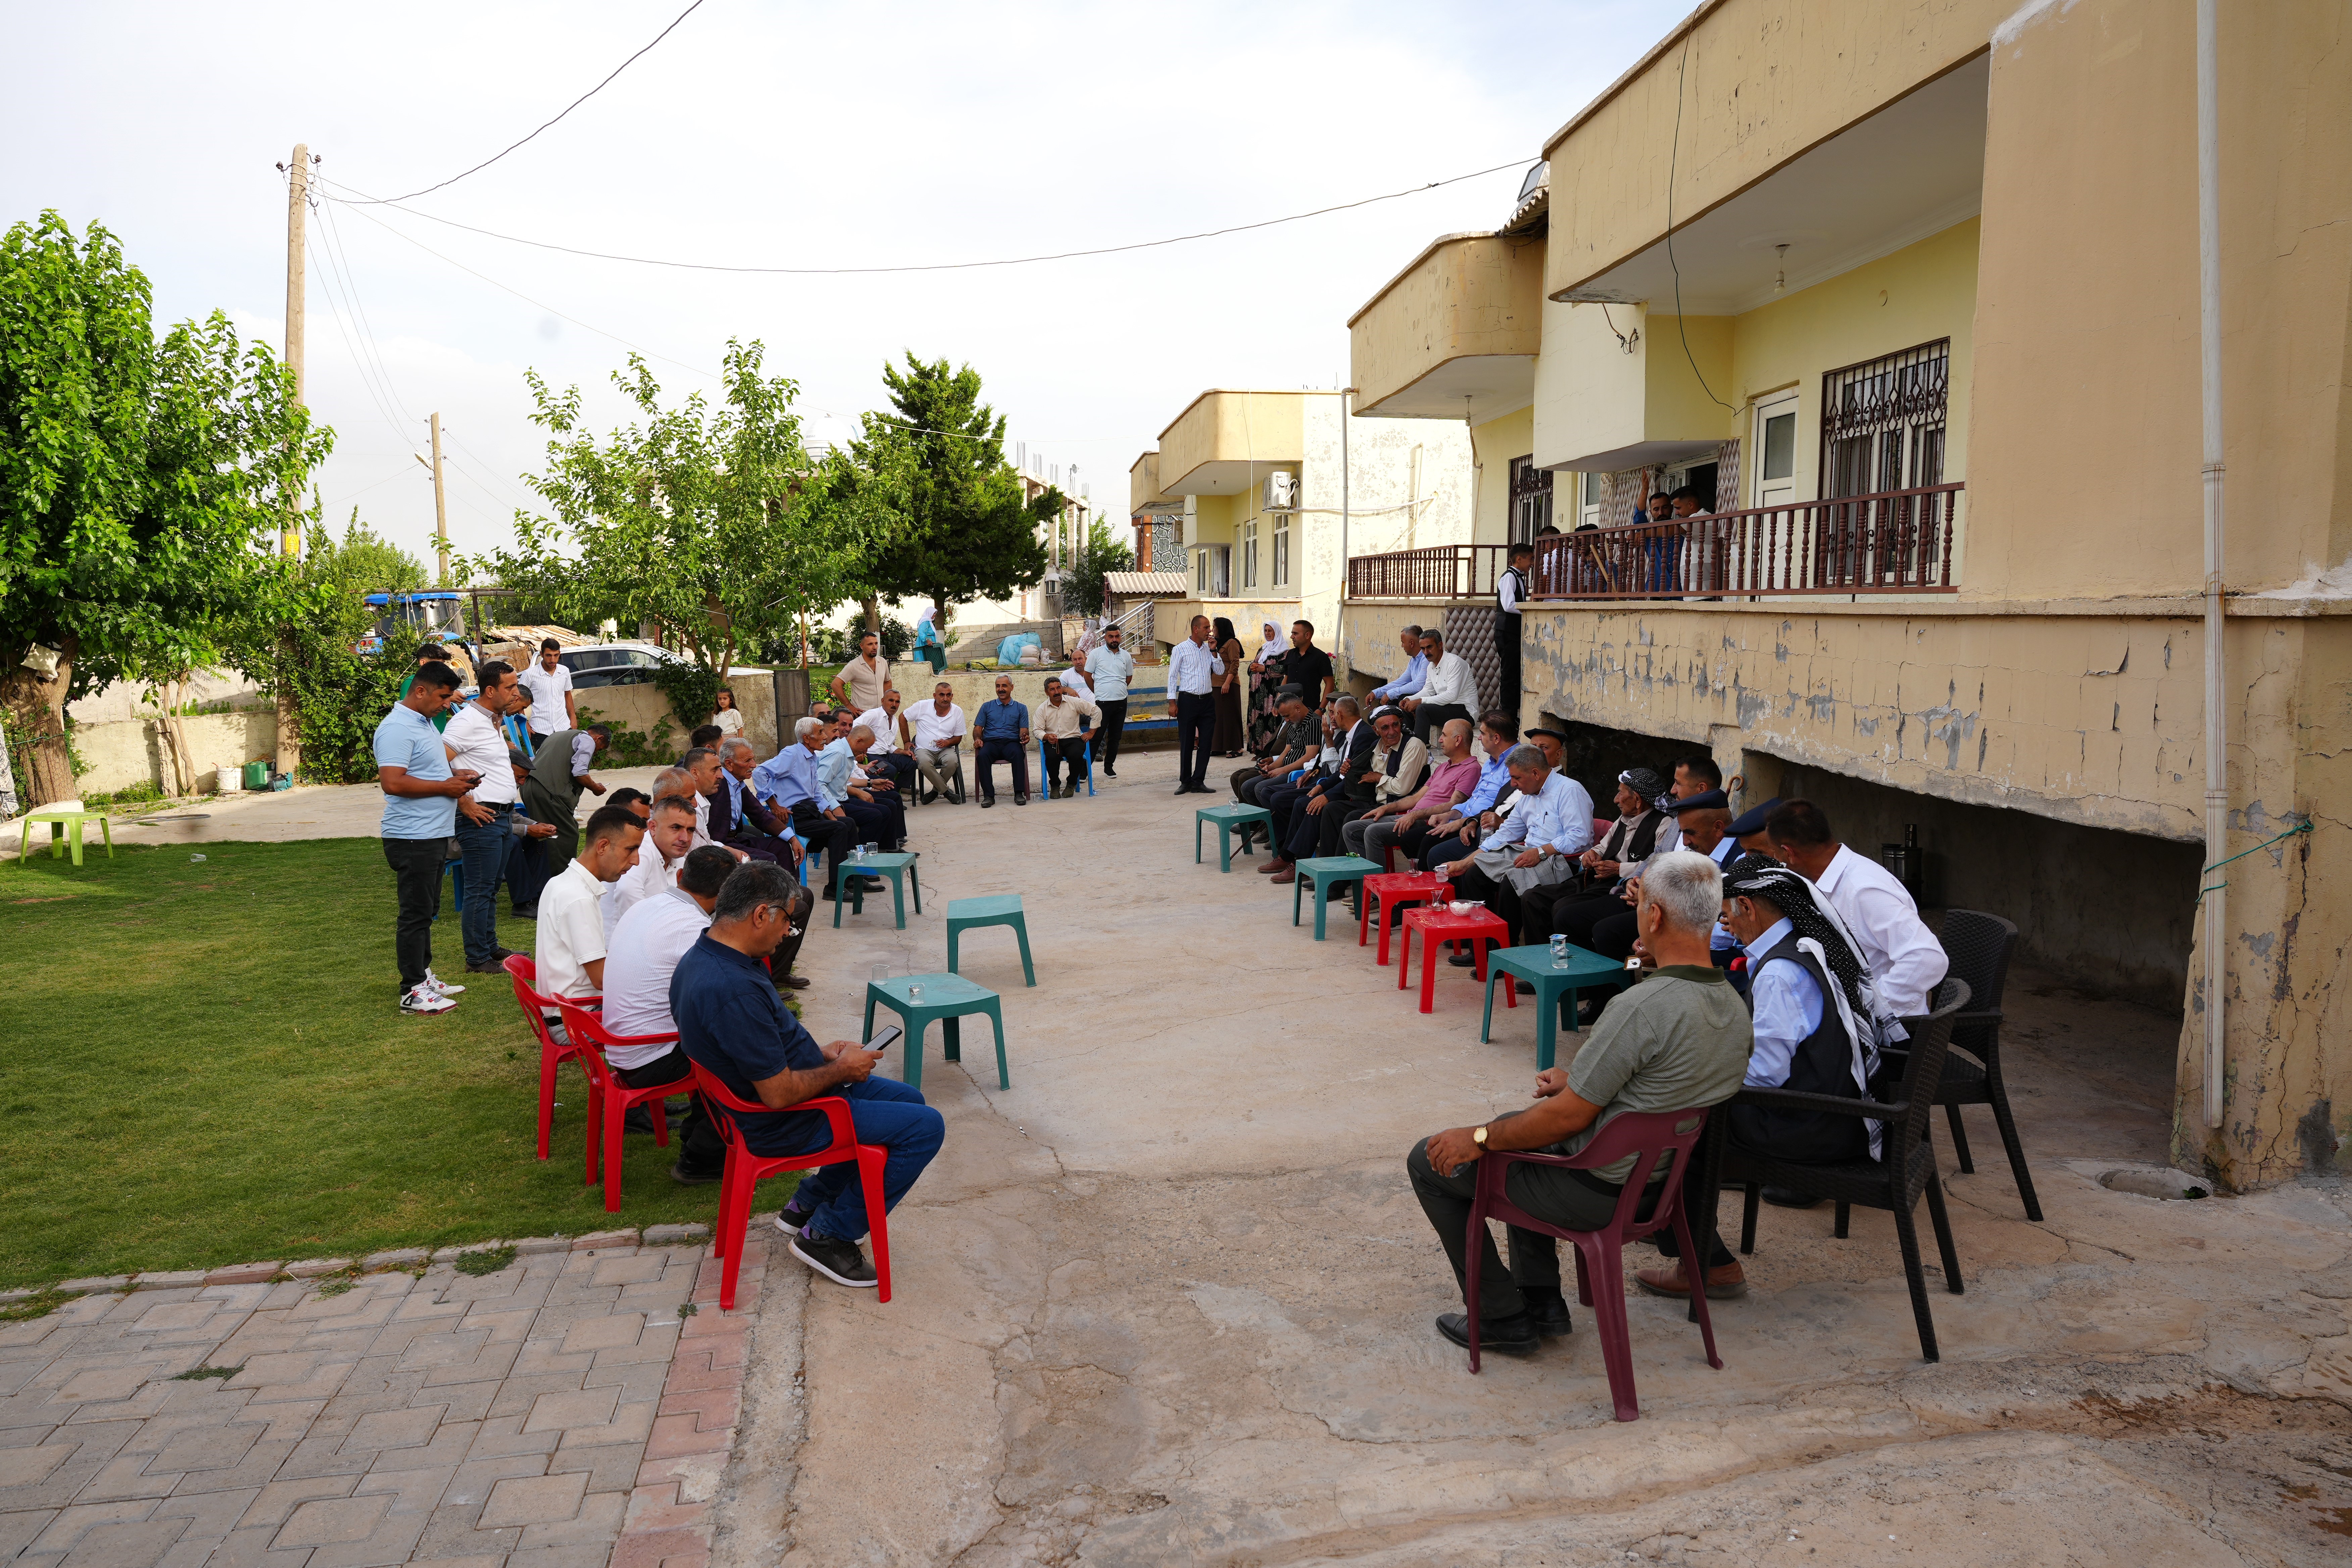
[(1464, 960), (1110, 772), (1514, 1335), (636, 1118), (530, 914), (685, 1178), (796, 982), (1527, 987), (1788, 1198), (1549, 1313), (986, 800)]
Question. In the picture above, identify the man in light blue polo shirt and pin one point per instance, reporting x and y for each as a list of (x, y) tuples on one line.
[(420, 813)]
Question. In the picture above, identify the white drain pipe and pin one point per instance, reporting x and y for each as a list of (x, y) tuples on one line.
[(2217, 738)]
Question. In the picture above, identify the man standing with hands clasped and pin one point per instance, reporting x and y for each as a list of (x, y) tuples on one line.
[(1192, 665), (420, 810)]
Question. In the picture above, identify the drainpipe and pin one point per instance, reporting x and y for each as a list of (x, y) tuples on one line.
[(2217, 763)]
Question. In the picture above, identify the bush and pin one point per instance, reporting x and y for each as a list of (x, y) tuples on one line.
[(341, 697), (830, 645), (691, 687), (633, 748)]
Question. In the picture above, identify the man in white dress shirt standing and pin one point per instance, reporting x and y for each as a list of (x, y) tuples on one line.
[(1192, 665), (550, 685), (1447, 691), (1906, 962), (1110, 667), (487, 824)]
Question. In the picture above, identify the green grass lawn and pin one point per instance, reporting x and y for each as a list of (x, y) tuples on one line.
[(204, 1064)]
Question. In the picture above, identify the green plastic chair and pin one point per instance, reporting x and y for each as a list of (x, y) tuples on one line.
[(1002, 910), (947, 998), (65, 819), (1585, 972), (1225, 819), (899, 868), (1325, 874)]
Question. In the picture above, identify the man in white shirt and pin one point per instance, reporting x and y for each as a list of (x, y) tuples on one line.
[(1448, 691), (938, 732), (1537, 844), (645, 949), (550, 685), (488, 829), (1906, 962), (669, 834), (1110, 667), (570, 960), (1416, 670), (1192, 665), (882, 722)]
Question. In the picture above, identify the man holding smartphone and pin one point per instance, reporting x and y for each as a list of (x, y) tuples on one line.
[(734, 1024), (420, 812)]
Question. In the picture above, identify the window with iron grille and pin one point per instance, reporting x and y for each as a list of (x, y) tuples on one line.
[(1883, 422), (1531, 499)]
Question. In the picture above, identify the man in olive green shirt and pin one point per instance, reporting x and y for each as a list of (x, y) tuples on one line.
[(1677, 1041)]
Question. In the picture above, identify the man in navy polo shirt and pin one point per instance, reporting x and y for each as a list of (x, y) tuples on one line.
[(732, 1021)]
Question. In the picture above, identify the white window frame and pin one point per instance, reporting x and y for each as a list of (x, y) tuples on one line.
[(1282, 549), (1249, 555)]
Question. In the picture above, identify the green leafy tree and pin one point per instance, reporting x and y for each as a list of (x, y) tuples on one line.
[(716, 526), (960, 530), (1096, 555), (142, 483), (362, 561)]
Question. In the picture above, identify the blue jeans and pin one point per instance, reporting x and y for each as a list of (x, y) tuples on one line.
[(486, 848), (885, 1112)]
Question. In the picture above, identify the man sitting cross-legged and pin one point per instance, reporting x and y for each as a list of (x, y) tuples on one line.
[(1449, 784), (1676, 1041), (1298, 809), (644, 950), (1458, 829), (732, 1021), (738, 818)]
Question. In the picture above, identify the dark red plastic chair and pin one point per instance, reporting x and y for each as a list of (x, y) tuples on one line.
[(608, 1098), (746, 1170), (1648, 1137), (552, 1053)]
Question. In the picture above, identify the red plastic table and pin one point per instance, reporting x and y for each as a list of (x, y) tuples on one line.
[(1392, 890), (1480, 927)]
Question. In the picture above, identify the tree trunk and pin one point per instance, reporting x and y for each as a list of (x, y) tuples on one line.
[(37, 711), (873, 613), (290, 716)]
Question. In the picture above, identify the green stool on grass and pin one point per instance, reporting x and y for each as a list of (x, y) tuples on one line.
[(1000, 910), (1328, 873), (1225, 819), (1584, 972), (946, 998)]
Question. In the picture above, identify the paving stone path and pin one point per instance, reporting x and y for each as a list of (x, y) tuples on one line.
[(561, 1413)]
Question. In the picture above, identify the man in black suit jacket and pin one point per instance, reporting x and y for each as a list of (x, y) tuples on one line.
[(738, 818), (1323, 793)]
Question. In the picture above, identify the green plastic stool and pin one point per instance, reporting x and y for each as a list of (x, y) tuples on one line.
[(1327, 872), (946, 998), (1002, 910), (1585, 972), (1225, 819), (898, 867), (63, 826)]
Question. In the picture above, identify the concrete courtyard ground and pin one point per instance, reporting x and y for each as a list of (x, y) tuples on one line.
[(1168, 1298)]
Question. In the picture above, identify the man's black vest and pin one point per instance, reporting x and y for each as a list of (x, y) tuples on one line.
[(1822, 1063)]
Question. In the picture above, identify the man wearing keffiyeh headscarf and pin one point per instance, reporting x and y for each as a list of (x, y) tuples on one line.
[(1817, 1031)]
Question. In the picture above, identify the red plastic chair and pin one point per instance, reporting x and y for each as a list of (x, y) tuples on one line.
[(552, 1053), (746, 1170), (608, 1098), (1648, 1137)]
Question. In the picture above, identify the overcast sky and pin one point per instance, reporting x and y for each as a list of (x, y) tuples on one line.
[(767, 133)]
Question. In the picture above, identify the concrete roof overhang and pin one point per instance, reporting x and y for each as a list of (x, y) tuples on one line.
[(1912, 169)]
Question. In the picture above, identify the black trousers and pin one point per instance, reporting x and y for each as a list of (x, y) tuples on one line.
[(1579, 918), (701, 1152), (1196, 728), (1428, 718), (1506, 659), (1114, 725), (882, 822), (417, 875), (991, 753), (1072, 752), (829, 836), (543, 805)]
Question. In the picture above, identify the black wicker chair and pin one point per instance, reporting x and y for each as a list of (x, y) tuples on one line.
[(1893, 1184), (1980, 945)]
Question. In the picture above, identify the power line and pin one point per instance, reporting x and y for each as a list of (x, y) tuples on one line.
[(575, 103), (923, 267)]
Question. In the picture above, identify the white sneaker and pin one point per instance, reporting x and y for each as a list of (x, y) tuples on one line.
[(439, 986), (423, 999)]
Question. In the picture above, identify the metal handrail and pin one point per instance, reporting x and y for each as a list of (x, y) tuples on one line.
[(1893, 541), (1437, 572)]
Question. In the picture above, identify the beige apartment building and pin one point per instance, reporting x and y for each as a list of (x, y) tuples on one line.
[(1267, 493), (1910, 296)]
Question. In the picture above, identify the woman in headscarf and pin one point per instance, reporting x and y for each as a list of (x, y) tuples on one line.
[(1267, 681), (1225, 691)]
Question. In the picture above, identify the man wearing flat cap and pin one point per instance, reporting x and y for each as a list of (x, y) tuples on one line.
[(1643, 832)]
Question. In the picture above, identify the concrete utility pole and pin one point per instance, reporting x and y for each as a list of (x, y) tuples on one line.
[(440, 504), (298, 203)]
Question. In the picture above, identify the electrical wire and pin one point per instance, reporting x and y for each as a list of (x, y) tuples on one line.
[(575, 103), (1672, 163), (923, 267), (367, 328)]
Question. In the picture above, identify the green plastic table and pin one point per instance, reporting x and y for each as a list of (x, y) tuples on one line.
[(895, 867), (947, 998), (1000, 910), (1225, 819), (1325, 873), (1585, 972), (63, 826)]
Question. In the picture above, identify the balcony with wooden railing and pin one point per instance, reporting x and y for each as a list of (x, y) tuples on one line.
[(1894, 542)]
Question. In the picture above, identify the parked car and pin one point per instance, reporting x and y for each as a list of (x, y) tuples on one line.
[(612, 664)]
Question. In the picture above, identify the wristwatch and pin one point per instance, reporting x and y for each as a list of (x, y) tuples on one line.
[(1478, 1136)]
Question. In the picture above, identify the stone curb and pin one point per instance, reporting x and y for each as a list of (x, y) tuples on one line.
[(375, 1262)]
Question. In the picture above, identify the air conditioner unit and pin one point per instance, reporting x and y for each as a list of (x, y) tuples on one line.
[(1281, 490)]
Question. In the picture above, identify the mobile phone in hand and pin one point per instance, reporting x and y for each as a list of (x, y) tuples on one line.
[(885, 1040)]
